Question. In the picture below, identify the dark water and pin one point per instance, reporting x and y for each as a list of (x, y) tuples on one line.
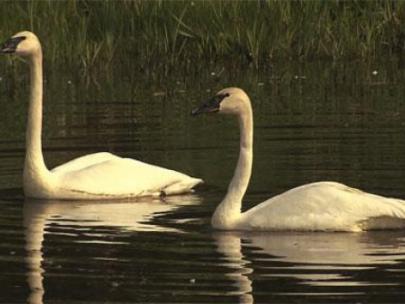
[(313, 121)]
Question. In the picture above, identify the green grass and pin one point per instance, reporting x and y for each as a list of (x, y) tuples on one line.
[(94, 35)]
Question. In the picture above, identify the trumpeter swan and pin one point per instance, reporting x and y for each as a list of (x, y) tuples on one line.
[(321, 206), (94, 176)]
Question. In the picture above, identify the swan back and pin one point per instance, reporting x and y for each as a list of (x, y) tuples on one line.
[(325, 206), (24, 44)]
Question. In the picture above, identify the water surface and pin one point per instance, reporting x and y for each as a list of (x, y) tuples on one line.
[(313, 121)]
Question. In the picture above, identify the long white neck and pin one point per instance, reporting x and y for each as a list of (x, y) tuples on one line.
[(34, 166), (229, 210)]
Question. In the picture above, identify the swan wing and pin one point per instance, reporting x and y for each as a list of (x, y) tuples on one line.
[(325, 206), (84, 161), (123, 177)]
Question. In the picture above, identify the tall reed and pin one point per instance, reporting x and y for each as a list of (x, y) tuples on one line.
[(94, 35)]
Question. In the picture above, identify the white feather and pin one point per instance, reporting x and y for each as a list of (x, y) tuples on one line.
[(322, 206), (94, 176)]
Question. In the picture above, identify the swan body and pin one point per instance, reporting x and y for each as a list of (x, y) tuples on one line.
[(321, 206), (327, 206), (104, 171), (94, 176)]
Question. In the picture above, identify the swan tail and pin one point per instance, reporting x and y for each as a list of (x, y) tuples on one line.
[(182, 186), (382, 223), (394, 217)]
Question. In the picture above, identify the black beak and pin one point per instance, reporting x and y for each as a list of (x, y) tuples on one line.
[(210, 106), (205, 108), (10, 45)]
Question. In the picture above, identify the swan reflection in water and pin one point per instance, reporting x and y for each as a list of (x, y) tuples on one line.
[(124, 215), (307, 253), (244, 253)]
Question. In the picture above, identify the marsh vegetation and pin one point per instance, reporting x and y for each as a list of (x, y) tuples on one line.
[(94, 35)]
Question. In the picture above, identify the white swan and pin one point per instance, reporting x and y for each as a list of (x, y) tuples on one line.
[(95, 176), (321, 206)]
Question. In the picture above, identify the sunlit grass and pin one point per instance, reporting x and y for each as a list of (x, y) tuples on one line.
[(96, 35)]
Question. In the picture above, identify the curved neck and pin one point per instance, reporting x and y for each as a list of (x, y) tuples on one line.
[(229, 210), (34, 160)]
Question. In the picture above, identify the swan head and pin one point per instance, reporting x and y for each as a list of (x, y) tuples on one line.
[(226, 101), (23, 44)]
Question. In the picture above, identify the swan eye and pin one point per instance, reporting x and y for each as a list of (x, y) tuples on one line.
[(212, 105), (221, 97), (215, 102), (11, 44)]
